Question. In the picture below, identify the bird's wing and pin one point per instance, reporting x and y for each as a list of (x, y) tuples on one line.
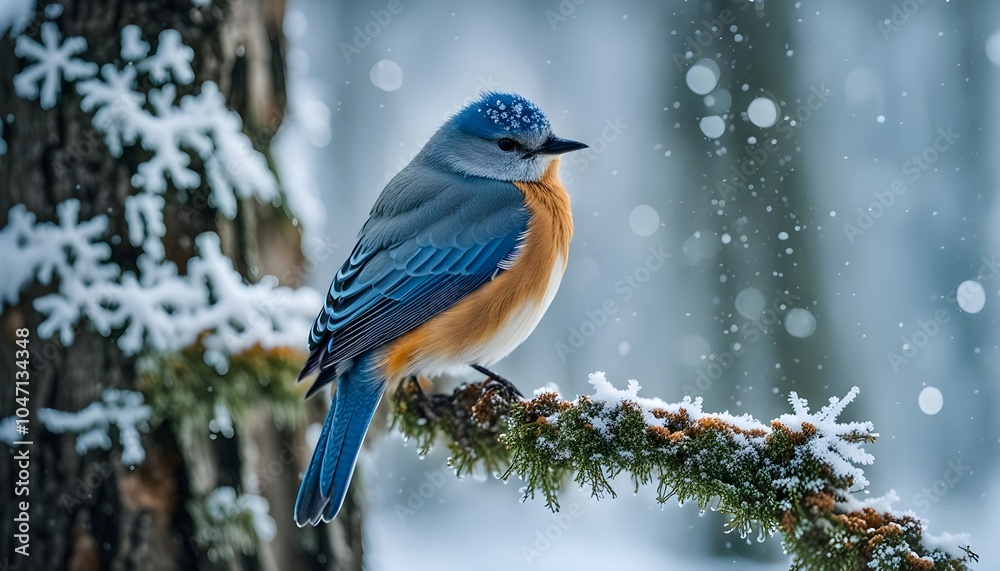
[(432, 239)]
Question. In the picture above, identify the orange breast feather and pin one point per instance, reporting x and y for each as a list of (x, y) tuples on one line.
[(468, 330)]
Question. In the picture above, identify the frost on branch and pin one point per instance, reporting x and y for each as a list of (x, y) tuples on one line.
[(124, 409), (795, 475), (53, 61)]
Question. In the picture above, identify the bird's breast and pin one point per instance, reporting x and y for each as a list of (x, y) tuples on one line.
[(492, 321)]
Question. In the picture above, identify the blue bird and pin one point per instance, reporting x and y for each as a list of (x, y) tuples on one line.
[(459, 259)]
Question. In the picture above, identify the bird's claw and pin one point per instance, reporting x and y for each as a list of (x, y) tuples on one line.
[(426, 402), (497, 382)]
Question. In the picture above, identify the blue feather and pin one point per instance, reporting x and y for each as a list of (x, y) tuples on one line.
[(433, 238), (328, 476)]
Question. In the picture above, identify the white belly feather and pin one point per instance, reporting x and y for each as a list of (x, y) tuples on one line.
[(511, 334)]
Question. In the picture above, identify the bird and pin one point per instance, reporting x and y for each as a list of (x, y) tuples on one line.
[(461, 255)]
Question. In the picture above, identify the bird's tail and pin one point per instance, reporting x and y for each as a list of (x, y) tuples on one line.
[(324, 486)]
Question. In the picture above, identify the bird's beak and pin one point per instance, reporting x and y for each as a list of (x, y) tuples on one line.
[(556, 146)]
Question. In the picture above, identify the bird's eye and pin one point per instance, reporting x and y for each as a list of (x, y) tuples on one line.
[(506, 145)]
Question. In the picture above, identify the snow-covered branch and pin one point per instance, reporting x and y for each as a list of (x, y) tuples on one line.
[(796, 474), (156, 308), (123, 409), (152, 306)]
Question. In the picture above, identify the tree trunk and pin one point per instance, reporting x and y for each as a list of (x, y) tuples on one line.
[(90, 511)]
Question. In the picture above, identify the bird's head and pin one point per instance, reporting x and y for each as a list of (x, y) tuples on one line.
[(501, 136)]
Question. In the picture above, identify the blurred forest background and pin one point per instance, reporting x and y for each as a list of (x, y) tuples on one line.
[(777, 196), (862, 88)]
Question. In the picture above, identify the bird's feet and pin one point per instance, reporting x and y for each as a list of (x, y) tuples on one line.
[(427, 405), (495, 381)]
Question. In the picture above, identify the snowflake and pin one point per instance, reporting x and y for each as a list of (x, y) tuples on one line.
[(156, 307), (832, 442), (134, 48), (117, 105), (232, 165), (144, 215), (172, 57), (3, 143), (199, 124), (54, 60), (124, 409), (15, 16), (511, 111), (162, 134), (223, 505), (71, 250), (205, 125)]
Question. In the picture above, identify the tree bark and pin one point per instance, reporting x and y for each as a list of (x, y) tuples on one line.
[(91, 511)]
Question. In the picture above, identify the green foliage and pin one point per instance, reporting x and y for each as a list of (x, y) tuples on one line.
[(182, 388), (766, 477), (187, 394), (227, 524), (469, 419)]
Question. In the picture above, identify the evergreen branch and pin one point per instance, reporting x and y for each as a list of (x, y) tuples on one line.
[(796, 475)]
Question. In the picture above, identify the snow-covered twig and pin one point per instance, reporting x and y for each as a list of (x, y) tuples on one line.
[(796, 474)]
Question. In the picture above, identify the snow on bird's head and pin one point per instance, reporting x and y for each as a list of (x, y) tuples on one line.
[(495, 114)]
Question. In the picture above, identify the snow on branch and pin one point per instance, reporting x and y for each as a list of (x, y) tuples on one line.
[(158, 308), (227, 523), (796, 474), (124, 409), (71, 250), (199, 124), (152, 307)]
